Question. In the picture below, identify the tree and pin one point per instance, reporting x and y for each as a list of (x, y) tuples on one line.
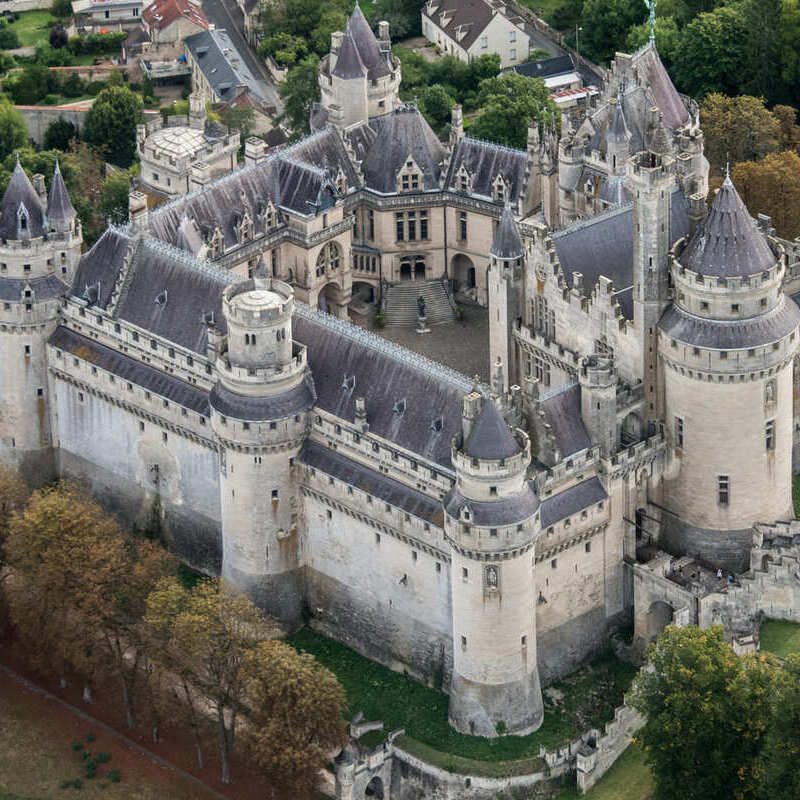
[(299, 91), (8, 37), (782, 742), (737, 129), (63, 546), (30, 85), (790, 130), (507, 104), (707, 714), (711, 57), (13, 132), (403, 16), (296, 715), (13, 496), (110, 124), (207, 632), (436, 104), (114, 197), (59, 134), (61, 9), (283, 48), (605, 25), (667, 38), (58, 37), (329, 21), (238, 119), (772, 187), (790, 51)]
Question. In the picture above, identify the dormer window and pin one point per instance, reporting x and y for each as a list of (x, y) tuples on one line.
[(463, 180), (22, 218), (408, 178), (341, 182), (500, 189)]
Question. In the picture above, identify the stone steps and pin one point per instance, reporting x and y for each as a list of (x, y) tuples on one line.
[(401, 303)]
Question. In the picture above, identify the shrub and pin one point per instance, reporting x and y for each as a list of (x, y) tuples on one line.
[(114, 776), (379, 319), (95, 87), (102, 758), (90, 768), (50, 99), (77, 746), (8, 37), (77, 783), (90, 737), (67, 784), (58, 37)]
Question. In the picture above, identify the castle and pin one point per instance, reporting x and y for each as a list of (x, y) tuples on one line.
[(195, 369)]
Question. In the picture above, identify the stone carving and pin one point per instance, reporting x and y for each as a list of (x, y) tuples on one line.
[(769, 393), (491, 577), (420, 306)]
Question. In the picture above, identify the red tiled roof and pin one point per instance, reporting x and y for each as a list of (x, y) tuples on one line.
[(161, 13)]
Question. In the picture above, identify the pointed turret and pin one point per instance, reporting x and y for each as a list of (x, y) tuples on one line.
[(21, 212), (507, 245), (618, 132), (60, 211), (727, 243), (348, 63), (490, 436), (367, 44)]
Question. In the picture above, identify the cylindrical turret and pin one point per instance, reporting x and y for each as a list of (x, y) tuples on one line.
[(599, 401), (491, 523), (727, 347), (259, 412)]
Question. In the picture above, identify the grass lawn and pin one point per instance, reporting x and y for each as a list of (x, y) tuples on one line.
[(33, 28), (36, 755), (780, 637), (584, 699), (628, 779)]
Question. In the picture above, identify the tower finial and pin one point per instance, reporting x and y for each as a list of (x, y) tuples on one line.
[(651, 5)]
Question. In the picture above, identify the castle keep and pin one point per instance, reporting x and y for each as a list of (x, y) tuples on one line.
[(196, 370)]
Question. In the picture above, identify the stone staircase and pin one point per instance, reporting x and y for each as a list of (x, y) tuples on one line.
[(401, 303)]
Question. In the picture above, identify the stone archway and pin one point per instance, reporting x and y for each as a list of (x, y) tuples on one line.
[(364, 292), (659, 615), (631, 429), (328, 299), (462, 271), (375, 789)]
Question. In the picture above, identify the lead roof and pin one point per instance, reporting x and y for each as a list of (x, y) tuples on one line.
[(490, 436), (727, 242), (571, 501), (507, 245), (59, 206), (21, 194), (562, 410), (367, 44), (483, 162), (348, 62), (505, 511)]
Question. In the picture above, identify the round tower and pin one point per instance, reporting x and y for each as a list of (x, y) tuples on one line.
[(598, 382), (491, 524), (259, 413), (726, 348), (38, 252)]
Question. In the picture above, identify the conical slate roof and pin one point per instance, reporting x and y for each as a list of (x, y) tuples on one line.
[(490, 437), (349, 63), (727, 243), (367, 45), (673, 109), (19, 200), (59, 206), (506, 245), (618, 130)]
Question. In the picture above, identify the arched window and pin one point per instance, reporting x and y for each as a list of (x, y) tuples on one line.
[(328, 259)]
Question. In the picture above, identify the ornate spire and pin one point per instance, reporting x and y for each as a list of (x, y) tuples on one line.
[(59, 205), (507, 245), (651, 5)]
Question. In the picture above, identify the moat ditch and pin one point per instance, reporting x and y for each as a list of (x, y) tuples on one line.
[(584, 699)]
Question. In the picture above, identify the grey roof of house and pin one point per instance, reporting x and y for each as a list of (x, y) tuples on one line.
[(59, 206), (490, 436), (20, 192), (603, 245), (468, 16), (409, 401), (727, 242), (546, 68), (618, 129), (390, 140), (630, 110), (129, 369), (505, 511), (221, 63), (737, 334), (295, 401), (43, 288), (570, 501), (507, 244), (484, 161), (386, 489), (348, 63), (100, 266), (367, 44), (613, 190), (562, 411), (192, 292), (319, 117)]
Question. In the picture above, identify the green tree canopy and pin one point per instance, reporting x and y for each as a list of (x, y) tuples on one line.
[(59, 134), (284, 48), (435, 103), (13, 133), (667, 38), (114, 197), (508, 103), (782, 742), (110, 124), (707, 714), (605, 24), (299, 91)]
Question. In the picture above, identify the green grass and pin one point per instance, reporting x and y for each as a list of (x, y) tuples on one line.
[(33, 28), (796, 493), (780, 637), (628, 779), (589, 697)]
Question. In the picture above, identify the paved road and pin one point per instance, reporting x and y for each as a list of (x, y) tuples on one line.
[(227, 15)]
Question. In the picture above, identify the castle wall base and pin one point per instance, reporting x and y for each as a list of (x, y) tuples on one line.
[(727, 549), (281, 596), (475, 706), (36, 467)]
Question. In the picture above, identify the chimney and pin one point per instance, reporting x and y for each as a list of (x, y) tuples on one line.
[(473, 403), (137, 211), (255, 150), (497, 377), (456, 125), (337, 37), (383, 32), (361, 414), (38, 184)]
